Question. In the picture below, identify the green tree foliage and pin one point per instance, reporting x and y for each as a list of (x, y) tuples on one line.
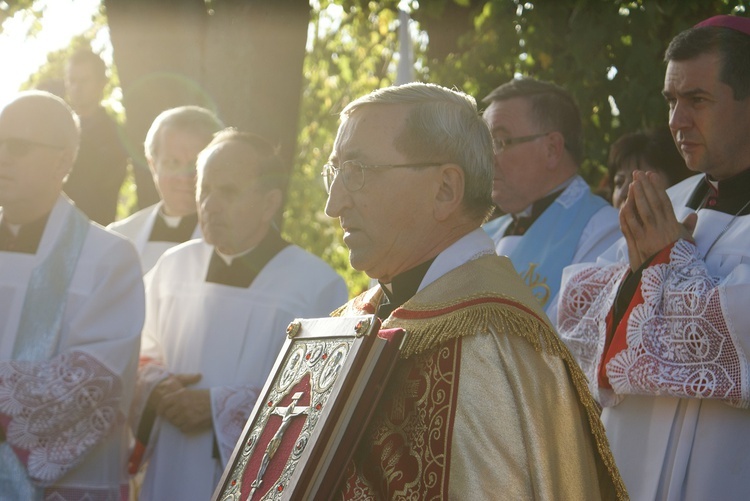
[(9, 8), (608, 54), (350, 53)]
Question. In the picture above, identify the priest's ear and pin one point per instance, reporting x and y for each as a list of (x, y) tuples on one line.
[(449, 194), (554, 144), (271, 204)]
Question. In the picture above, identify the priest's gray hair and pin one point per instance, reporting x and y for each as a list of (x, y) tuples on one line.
[(266, 160), (443, 125), (192, 119)]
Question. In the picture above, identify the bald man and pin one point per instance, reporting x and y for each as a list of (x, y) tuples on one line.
[(71, 311)]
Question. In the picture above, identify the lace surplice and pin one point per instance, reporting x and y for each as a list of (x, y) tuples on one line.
[(58, 410), (677, 340)]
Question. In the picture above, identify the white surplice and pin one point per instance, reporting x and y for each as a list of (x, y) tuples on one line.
[(677, 417), (137, 227), (230, 335), (90, 378)]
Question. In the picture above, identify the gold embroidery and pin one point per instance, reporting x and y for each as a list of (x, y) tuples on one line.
[(480, 314), (538, 284)]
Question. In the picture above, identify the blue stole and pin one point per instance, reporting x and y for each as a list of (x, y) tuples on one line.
[(550, 244), (39, 331)]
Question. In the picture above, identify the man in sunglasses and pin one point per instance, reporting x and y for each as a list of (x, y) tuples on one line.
[(71, 312), (551, 217), (485, 401)]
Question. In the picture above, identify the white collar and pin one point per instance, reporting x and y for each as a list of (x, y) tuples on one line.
[(467, 248)]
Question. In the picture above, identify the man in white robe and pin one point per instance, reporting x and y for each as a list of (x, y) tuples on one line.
[(217, 312), (552, 219), (172, 145), (71, 312), (660, 324)]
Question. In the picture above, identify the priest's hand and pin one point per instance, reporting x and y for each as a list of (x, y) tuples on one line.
[(187, 409), (648, 222), (171, 384)]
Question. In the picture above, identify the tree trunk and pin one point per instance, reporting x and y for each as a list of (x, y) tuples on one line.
[(242, 59)]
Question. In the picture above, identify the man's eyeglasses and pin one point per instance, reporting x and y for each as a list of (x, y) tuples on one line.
[(501, 144), (18, 147), (353, 172)]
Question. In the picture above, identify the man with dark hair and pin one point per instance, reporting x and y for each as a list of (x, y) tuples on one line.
[(485, 401), (660, 325), (94, 183), (71, 312), (552, 219), (216, 316), (172, 145)]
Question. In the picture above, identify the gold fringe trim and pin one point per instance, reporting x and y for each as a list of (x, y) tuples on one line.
[(428, 333), (339, 311)]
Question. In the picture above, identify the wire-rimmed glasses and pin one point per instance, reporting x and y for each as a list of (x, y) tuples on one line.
[(353, 172)]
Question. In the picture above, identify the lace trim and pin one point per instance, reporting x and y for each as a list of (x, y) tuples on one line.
[(150, 373), (59, 409), (231, 406), (585, 302), (679, 343)]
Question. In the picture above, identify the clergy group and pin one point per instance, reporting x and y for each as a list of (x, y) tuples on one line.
[(559, 350)]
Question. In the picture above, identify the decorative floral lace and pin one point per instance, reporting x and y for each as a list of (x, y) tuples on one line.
[(59, 410), (678, 340), (231, 406), (150, 373), (585, 302)]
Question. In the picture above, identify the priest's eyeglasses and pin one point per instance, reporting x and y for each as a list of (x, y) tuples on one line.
[(353, 172), (17, 147), (501, 144)]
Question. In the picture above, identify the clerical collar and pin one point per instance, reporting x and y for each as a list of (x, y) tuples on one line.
[(240, 270), (402, 288), (523, 220), (171, 221), (22, 238), (727, 196), (229, 258), (544, 202), (175, 229)]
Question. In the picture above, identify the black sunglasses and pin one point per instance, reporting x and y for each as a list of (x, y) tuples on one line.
[(18, 147)]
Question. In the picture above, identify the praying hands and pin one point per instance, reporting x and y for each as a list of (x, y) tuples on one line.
[(648, 222)]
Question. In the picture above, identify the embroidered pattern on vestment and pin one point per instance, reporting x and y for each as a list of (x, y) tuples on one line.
[(59, 408)]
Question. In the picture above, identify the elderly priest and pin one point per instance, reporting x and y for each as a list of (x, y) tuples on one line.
[(217, 312), (486, 402)]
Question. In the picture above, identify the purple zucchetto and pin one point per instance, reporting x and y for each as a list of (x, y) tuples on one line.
[(741, 24)]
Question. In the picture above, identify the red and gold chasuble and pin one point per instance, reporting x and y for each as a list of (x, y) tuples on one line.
[(411, 435), (476, 405)]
